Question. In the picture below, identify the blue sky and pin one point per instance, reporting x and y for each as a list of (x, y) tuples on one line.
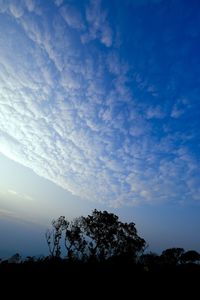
[(99, 107)]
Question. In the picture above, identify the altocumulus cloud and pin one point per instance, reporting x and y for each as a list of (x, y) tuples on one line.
[(76, 112)]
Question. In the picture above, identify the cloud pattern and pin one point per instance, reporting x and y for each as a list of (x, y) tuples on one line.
[(83, 105)]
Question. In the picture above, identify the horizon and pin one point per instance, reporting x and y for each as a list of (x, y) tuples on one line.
[(99, 108)]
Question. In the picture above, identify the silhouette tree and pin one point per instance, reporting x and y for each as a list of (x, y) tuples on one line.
[(108, 237), (54, 235), (150, 260), (99, 236), (15, 259), (75, 242), (190, 256), (172, 256)]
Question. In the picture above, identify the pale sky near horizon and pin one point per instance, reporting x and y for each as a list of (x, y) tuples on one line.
[(99, 108)]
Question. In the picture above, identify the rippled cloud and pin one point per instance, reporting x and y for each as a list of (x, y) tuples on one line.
[(78, 113)]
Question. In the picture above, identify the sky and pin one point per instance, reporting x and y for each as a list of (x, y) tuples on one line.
[(99, 108)]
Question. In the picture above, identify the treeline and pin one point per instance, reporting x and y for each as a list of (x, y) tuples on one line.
[(101, 241)]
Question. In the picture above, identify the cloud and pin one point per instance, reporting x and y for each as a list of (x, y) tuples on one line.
[(180, 107), (58, 2), (20, 195), (176, 112), (7, 213), (72, 17), (155, 113), (87, 119), (30, 4), (115, 64), (98, 25), (16, 8), (12, 192)]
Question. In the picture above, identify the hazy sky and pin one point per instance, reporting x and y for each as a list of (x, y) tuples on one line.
[(100, 108)]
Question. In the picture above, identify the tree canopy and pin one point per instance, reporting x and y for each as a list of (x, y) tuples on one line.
[(100, 236)]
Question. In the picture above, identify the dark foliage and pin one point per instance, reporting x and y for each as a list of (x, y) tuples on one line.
[(102, 245), (172, 256), (190, 256), (97, 237)]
